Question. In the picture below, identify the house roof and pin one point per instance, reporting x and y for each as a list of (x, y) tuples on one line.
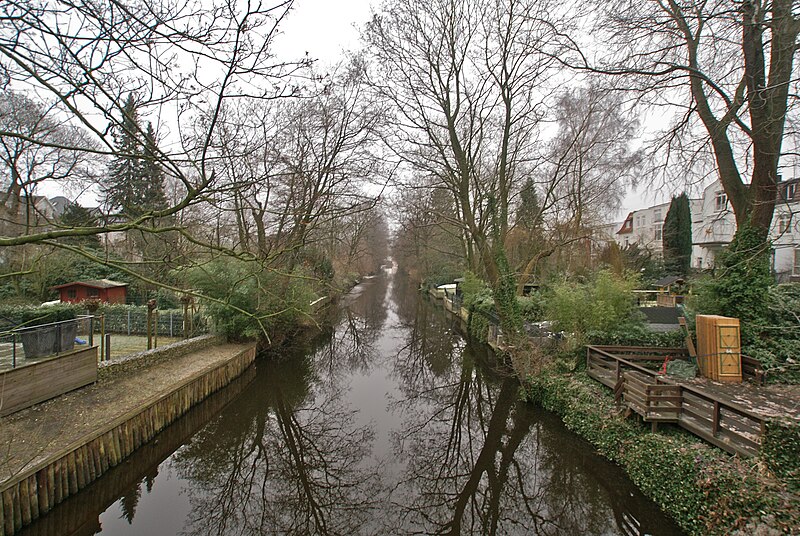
[(627, 225), (667, 281), (94, 283)]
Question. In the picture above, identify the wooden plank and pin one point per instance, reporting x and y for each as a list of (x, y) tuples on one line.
[(76, 465), (30, 384)]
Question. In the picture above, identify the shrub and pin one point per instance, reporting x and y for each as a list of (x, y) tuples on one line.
[(247, 300), (603, 305), (741, 283), (704, 489), (28, 315), (532, 307), (780, 447)]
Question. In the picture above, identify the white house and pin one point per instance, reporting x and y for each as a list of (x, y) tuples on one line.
[(716, 225), (646, 226)]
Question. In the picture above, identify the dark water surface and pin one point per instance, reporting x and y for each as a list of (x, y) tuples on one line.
[(390, 423)]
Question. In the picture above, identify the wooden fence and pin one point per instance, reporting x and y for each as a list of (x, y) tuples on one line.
[(38, 489), (703, 411), (29, 384)]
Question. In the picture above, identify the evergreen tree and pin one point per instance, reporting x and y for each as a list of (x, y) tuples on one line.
[(677, 236), (77, 216), (152, 194), (136, 180), (124, 172), (529, 211)]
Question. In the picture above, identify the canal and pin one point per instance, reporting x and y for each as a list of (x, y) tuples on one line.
[(389, 423)]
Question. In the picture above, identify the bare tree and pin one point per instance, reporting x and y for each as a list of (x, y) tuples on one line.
[(32, 137), (184, 61), (734, 61), (466, 80)]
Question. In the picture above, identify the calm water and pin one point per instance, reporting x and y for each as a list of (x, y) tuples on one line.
[(390, 423)]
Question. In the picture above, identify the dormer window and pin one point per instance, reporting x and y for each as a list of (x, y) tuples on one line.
[(720, 201)]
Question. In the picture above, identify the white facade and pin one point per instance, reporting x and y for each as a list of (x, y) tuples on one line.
[(713, 227), (716, 226), (645, 227)]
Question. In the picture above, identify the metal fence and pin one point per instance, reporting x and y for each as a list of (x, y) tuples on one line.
[(168, 323), (27, 344)]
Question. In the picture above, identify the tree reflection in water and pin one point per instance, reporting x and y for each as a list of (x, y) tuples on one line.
[(449, 448), (479, 461), (290, 461)]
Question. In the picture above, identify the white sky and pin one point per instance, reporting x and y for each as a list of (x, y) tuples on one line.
[(326, 29), (323, 28)]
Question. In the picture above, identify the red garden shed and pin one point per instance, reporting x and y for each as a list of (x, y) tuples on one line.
[(104, 290)]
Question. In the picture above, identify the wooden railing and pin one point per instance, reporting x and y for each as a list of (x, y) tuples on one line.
[(702, 411)]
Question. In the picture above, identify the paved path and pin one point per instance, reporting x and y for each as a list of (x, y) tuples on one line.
[(40, 431)]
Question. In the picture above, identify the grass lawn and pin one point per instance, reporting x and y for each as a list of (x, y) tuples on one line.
[(130, 344)]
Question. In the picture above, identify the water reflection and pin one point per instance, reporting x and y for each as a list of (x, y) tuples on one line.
[(289, 461), (388, 423)]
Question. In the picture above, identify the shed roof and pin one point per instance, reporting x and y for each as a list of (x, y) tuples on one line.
[(94, 283), (667, 281)]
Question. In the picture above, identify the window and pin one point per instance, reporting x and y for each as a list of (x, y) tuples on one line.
[(720, 201), (72, 293), (796, 270), (657, 231), (699, 262), (789, 191), (784, 222), (657, 216), (93, 292)]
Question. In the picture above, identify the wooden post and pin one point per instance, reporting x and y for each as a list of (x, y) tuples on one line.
[(715, 419), (103, 340), (151, 305)]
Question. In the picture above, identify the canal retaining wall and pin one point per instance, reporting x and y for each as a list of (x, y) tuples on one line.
[(39, 487)]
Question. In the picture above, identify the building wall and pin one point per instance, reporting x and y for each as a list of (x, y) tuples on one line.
[(79, 293), (116, 295)]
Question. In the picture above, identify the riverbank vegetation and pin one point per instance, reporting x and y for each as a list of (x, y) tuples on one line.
[(705, 490)]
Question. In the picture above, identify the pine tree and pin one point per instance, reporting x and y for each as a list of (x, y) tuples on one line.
[(136, 180), (77, 216), (123, 180), (152, 193), (677, 236)]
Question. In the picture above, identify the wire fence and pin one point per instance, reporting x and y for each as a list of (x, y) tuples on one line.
[(28, 344), (130, 328), (170, 323)]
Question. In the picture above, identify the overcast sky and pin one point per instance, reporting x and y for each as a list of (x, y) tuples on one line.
[(323, 28), (326, 29)]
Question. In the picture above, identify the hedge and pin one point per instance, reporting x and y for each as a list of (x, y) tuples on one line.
[(704, 489)]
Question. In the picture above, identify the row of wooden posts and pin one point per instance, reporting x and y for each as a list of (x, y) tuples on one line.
[(38, 489)]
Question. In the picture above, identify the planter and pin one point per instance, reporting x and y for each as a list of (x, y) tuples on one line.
[(67, 340), (49, 340), (39, 342)]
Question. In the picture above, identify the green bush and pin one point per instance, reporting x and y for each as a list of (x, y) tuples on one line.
[(27, 315), (604, 304), (532, 307), (780, 449), (741, 283), (705, 490), (474, 290), (247, 300)]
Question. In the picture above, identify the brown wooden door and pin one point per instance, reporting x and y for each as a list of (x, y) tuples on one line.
[(730, 360)]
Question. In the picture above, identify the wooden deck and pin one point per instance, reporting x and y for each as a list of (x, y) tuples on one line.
[(732, 417)]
